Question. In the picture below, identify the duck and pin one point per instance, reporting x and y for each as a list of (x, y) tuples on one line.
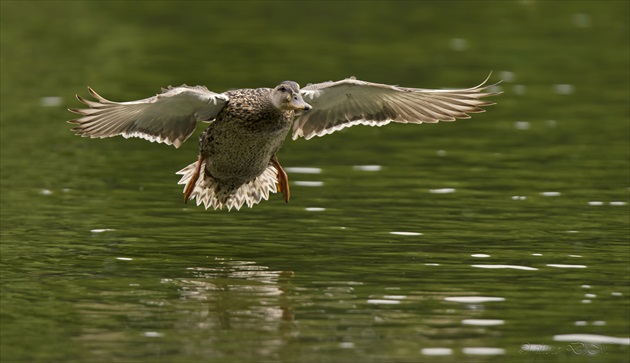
[(237, 163)]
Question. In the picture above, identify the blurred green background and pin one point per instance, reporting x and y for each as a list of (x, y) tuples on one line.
[(102, 262)]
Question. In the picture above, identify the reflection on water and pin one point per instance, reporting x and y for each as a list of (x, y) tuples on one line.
[(230, 295), (273, 310), (252, 282), (242, 296)]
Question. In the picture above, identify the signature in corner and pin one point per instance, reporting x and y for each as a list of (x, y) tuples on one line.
[(579, 348)]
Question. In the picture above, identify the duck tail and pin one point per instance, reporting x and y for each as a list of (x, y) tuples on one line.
[(206, 189)]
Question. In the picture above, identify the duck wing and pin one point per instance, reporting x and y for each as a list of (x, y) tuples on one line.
[(170, 117), (349, 102)]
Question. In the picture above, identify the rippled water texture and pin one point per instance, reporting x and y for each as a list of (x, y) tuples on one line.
[(502, 238)]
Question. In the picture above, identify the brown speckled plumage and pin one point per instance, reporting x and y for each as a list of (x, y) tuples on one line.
[(237, 147), (237, 162)]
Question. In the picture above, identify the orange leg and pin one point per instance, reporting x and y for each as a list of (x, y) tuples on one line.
[(190, 186), (283, 180)]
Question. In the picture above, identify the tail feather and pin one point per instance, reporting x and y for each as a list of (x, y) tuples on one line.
[(249, 193)]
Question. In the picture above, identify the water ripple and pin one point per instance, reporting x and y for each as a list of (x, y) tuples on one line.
[(383, 302), (483, 322), (305, 183), (367, 167), (436, 351), (483, 351), (550, 194), (473, 299), (303, 170), (442, 191), (101, 230), (591, 338), (406, 233), (515, 267)]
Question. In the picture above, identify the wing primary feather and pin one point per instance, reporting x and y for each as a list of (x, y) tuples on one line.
[(169, 117), (349, 102)]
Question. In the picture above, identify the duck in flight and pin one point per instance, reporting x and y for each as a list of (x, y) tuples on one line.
[(237, 161)]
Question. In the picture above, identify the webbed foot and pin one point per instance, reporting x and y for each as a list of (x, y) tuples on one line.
[(190, 186), (283, 179)]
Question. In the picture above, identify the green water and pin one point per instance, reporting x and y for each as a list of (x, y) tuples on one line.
[(526, 205)]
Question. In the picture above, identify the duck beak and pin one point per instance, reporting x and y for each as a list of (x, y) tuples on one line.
[(298, 103)]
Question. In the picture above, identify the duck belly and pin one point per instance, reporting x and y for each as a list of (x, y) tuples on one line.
[(235, 155)]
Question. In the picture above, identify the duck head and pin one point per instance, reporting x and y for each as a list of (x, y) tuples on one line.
[(286, 96)]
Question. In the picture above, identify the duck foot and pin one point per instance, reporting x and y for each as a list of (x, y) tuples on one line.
[(190, 186), (283, 179)]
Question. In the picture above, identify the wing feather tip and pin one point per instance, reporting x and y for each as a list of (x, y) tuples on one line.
[(93, 93), (81, 99), (76, 110)]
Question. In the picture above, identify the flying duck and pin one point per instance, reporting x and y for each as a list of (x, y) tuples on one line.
[(237, 161)]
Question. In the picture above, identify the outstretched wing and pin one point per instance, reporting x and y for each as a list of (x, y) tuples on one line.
[(350, 102), (170, 117)]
